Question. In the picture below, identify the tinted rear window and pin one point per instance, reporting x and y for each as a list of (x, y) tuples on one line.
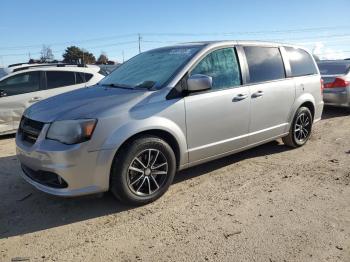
[(301, 62), (59, 79), (264, 63), (83, 77), (333, 68)]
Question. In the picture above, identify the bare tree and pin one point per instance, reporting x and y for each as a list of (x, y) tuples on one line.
[(46, 54)]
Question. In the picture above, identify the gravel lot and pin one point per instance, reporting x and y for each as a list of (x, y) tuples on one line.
[(266, 204)]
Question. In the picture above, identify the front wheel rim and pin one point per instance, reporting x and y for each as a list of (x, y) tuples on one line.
[(147, 172), (302, 127)]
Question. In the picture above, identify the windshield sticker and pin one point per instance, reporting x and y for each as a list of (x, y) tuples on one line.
[(181, 51)]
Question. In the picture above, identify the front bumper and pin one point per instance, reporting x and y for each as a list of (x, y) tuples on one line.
[(337, 96), (83, 171)]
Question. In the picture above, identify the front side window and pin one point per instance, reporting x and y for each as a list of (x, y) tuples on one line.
[(151, 69), (301, 62), (21, 83), (222, 65), (59, 79), (264, 63)]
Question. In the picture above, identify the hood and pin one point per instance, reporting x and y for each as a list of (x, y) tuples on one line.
[(88, 102)]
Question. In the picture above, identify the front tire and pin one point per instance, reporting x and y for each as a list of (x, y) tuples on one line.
[(300, 129), (142, 170)]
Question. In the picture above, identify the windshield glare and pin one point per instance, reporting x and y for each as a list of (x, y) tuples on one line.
[(151, 69)]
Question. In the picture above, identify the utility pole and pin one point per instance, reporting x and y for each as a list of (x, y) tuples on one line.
[(123, 55), (140, 38), (29, 56)]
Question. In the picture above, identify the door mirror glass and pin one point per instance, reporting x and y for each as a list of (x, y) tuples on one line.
[(199, 82)]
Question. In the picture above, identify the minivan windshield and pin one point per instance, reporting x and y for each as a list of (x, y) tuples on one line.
[(151, 69)]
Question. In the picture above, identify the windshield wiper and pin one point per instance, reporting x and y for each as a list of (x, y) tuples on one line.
[(146, 84), (117, 86)]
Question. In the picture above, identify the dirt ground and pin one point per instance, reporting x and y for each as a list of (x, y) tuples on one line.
[(266, 204)]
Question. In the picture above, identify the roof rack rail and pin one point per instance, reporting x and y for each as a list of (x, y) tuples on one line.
[(44, 65), (18, 64)]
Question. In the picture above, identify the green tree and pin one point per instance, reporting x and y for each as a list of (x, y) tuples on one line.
[(74, 54), (103, 59)]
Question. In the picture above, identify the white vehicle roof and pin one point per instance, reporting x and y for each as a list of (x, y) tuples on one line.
[(92, 69)]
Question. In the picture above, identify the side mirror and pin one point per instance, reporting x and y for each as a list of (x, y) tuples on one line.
[(2, 93), (199, 82)]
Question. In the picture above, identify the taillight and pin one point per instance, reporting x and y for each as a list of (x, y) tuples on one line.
[(338, 82), (322, 84)]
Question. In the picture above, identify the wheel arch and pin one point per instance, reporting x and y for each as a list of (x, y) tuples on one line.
[(160, 133), (171, 132), (310, 106), (306, 100)]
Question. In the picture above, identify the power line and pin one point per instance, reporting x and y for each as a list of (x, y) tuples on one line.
[(70, 42), (300, 30), (251, 32), (62, 50), (330, 38)]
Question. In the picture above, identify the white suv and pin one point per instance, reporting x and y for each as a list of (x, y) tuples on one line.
[(27, 85)]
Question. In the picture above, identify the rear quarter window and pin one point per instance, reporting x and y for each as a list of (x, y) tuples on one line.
[(83, 77), (301, 62)]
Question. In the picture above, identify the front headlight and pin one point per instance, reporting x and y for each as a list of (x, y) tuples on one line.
[(71, 131)]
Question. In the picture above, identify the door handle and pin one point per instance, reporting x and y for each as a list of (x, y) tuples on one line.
[(257, 94), (239, 97), (35, 99)]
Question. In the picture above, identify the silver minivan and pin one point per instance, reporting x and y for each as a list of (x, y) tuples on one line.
[(165, 110)]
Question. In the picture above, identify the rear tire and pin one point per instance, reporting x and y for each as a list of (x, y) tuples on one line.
[(300, 129), (142, 170)]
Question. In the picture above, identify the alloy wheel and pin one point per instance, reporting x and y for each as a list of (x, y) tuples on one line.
[(147, 172), (302, 127)]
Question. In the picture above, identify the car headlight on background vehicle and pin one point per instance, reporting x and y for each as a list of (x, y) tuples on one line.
[(72, 131)]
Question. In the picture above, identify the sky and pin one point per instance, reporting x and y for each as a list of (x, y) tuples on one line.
[(112, 26)]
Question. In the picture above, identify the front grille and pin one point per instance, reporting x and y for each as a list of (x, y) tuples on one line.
[(45, 178), (30, 129)]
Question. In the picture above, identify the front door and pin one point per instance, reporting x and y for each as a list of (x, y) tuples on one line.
[(18, 92), (218, 119)]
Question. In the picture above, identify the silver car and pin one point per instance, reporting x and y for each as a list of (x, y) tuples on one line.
[(336, 77), (165, 110)]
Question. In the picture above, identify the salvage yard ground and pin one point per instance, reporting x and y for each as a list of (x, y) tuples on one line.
[(266, 204)]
